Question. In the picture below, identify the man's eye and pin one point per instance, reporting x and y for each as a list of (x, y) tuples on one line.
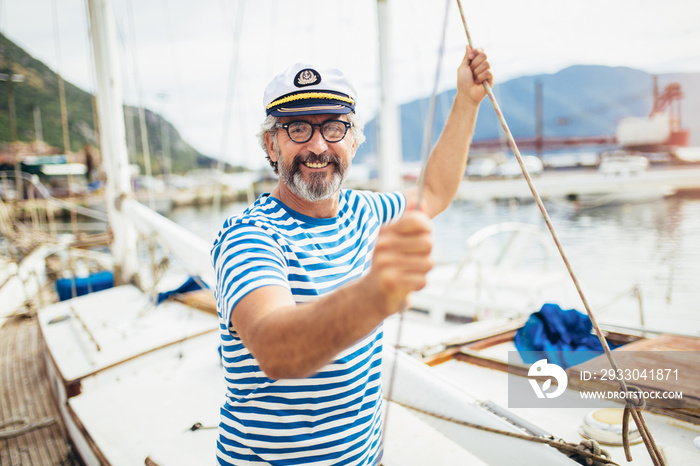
[(298, 129), (333, 128)]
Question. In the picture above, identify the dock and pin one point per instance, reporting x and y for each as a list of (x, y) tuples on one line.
[(576, 184), (31, 430)]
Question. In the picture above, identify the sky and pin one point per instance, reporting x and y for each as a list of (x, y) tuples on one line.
[(204, 64)]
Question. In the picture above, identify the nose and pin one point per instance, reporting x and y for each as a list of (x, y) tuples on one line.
[(317, 144)]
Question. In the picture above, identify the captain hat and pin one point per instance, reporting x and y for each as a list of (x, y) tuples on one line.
[(306, 90)]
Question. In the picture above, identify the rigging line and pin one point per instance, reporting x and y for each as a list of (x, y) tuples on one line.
[(230, 82), (92, 78), (176, 65), (585, 449), (230, 88), (654, 453), (417, 72), (430, 120), (145, 147), (273, 34), (61, 86), (427, 140), (225, 15), (64, 110)]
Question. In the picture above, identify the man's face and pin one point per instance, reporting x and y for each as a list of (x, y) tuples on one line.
[(314, 170)]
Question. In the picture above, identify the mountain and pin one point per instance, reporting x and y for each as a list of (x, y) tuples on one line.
[(582, 100), (40, 90)]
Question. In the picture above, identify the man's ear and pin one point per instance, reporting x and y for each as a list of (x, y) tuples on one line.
[(271, 147)]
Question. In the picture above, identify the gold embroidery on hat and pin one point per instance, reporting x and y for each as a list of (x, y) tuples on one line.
[(307, 77), (308, 109), (310, 95)]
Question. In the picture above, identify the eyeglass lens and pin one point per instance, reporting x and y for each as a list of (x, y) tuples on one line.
[(302, 131)]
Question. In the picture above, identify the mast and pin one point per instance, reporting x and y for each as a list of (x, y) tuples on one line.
[(388, 133), (113, 137)]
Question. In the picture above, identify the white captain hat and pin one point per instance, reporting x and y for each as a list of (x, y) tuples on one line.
[(306, 90)]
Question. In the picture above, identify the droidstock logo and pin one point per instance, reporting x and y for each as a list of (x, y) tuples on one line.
[(544, 369)]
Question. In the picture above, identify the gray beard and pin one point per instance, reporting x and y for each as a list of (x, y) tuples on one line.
[(317, 187)]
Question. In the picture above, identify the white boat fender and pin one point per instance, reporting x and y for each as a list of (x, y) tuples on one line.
[(696, 441), (605, 426)]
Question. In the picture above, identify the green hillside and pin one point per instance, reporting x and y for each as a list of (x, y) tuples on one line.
[(40, 89)]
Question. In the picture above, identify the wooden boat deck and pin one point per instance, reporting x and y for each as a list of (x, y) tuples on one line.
[(661, 363), (25, 393), (667, 363)]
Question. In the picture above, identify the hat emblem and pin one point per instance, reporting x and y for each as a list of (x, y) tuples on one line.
[(307, 77)]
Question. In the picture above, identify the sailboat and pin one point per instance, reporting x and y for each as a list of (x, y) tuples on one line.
[(141, 383)]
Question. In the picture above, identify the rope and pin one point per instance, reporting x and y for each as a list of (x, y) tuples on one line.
[(24, 426), (22, 239), (588, 450), (421, 184), (636, 413)]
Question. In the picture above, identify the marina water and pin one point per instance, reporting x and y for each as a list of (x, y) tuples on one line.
[(653, 245)]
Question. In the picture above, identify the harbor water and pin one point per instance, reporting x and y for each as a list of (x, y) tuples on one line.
[(652, 245)]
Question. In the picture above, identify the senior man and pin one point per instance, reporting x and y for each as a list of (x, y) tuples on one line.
[(307, 274)]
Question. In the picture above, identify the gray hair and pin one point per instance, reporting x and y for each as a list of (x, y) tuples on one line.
[(268, 126)]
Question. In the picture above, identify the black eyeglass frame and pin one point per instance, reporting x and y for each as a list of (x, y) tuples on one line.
[(285, 126)]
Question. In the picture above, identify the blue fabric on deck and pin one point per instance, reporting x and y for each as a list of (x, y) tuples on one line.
[(83, 285), (563, 337), (191, 284)]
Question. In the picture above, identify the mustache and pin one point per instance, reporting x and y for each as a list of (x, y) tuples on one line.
[(325, 157)]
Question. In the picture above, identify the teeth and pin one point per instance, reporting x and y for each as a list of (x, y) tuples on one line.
[(316, 165)]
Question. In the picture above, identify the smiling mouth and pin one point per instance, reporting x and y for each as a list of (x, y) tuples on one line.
[(316, 164)]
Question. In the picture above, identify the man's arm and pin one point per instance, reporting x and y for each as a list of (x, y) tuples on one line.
[(448, 159), (292, 340)]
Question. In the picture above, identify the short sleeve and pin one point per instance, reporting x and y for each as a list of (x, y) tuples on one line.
[(245, 257), (387, 206)]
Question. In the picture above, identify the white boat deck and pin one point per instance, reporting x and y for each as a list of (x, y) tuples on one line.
[(94, 332), (155, 400), (674, 437), (147, 375), (411, 441)]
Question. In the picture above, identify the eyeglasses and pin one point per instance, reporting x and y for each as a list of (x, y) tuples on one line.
[(302, 131)]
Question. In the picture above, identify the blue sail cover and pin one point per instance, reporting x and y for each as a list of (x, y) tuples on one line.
[(563, 337), (68, 288)]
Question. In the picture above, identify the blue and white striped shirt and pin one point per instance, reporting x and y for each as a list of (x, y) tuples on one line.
[(333, 417)]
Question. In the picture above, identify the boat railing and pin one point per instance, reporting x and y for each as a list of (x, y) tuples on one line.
[(189, 248)]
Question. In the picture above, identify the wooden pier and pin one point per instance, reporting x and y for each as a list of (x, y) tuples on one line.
[(31, 430)]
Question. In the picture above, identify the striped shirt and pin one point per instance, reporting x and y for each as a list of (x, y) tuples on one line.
[(333, 417)]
